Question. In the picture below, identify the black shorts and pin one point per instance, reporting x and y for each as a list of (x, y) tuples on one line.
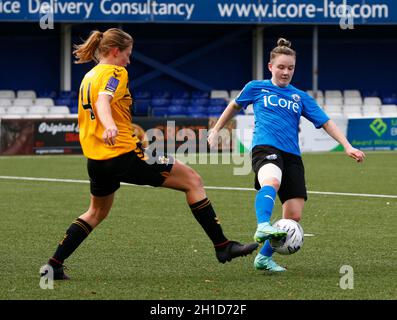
[(135, 167), (293, 172)]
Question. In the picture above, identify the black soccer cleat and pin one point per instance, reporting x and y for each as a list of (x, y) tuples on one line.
[(233, 250), (58, 273)]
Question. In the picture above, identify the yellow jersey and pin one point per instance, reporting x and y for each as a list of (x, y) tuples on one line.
[(111, 80)]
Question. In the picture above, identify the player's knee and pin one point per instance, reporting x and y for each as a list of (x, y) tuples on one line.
[(195, 180), (293, 215), (270, 174)]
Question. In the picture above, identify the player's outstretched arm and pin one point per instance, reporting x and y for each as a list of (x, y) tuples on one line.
[(231, 110), (332, 129)]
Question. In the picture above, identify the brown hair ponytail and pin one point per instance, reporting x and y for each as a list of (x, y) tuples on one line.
[(283, 47), (99, 44)]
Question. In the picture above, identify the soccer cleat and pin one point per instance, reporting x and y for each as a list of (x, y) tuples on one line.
[(233, 250), (267, 263), (58, 272), (266, 231)]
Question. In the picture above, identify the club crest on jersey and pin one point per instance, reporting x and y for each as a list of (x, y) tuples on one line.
[(271, 157), (296, 97)]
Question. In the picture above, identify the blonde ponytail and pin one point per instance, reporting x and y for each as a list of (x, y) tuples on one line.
[(99, 44)]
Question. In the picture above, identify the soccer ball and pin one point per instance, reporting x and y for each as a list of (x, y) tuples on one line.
[(294, 239)]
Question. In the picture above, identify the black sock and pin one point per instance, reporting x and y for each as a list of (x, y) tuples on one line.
[(75, 235), (205, 215)]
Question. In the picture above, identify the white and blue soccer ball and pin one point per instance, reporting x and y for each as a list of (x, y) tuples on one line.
[(294, 239)]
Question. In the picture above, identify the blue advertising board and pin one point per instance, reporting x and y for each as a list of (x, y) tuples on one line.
[(373, 134), (204, 11)]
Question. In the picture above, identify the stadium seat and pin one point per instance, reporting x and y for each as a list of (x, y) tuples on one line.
[(352, 111), (5, 102), (61, 110), (218, 102), (320, 101), (199, 101), (351, 94), (68, 95), (49, 102), (64, 102), (180, 102), (333, 109), (333, 94), (388, 109), (48, 94), (141, 107), (215, 111), (249, 109), (142, 95), (26, 94), (25, 102), (159, 111), (234, 94), (21, 110), (177, 111), (37, 110), (220, 94), (196, 111), (160, 102), (3, 110), (319, 93), (353, 101), (7, 94), (370, 109), (372, 101), (161, 95), (200, 94), (336, 101), (181, 95), (389, 99)]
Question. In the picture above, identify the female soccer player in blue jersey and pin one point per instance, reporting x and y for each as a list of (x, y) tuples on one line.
[(276, 158)]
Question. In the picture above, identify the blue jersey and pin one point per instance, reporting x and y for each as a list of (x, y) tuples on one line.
[(277, 112)]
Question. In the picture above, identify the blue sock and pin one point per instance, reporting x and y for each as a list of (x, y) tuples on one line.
[(267, 250), (264, 203)]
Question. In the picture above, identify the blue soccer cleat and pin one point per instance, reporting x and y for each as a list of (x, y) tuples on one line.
[(266, 231), (267, 263)]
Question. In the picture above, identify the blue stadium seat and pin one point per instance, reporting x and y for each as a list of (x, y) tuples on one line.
[(142, 95), (161, 95), (218, 102), (215, 111), (200, 94), (176, 111), (141, 107), (68, 94), (180, 102), (392, 99), (181, 95), (159, 111), (64, 102), (199, 101), (160, 102), (197, 111), (48, 94)]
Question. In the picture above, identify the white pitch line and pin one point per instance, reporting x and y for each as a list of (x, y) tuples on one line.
[(206, 187)]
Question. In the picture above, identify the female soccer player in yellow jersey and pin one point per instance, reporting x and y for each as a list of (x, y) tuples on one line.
[(114, 154)]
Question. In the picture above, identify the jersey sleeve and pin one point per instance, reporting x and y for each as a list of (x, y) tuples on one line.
[(112, 81), (246, 96), (313, 112)]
